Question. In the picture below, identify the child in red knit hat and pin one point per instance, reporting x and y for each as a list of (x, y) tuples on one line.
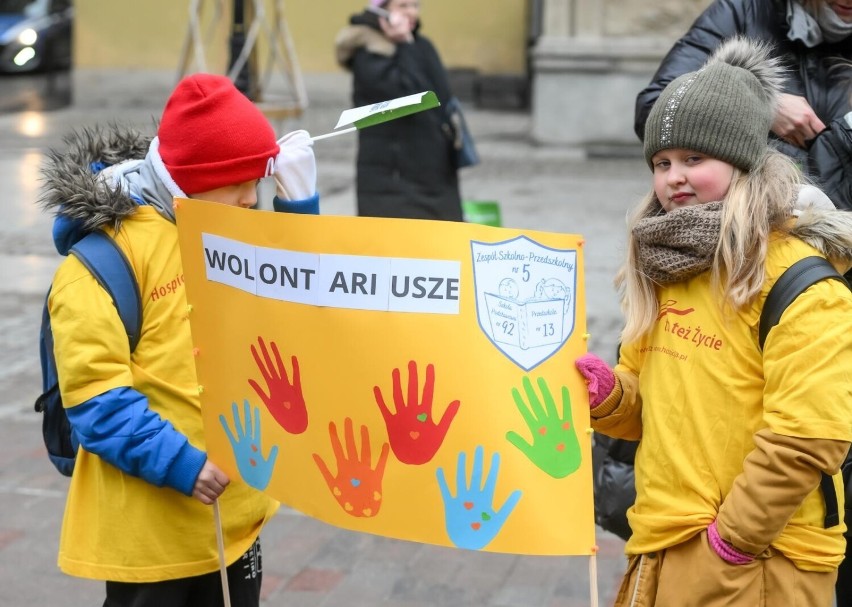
[(137, 513)]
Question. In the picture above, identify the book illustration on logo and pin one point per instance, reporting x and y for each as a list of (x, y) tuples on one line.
[(531, 322)]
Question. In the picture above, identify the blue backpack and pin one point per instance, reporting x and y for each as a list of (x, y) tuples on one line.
[(107, 263)]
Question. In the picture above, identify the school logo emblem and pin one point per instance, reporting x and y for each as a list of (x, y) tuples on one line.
[(525, 297)]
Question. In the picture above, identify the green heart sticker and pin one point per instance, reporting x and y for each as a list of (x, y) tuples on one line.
[(423, 417), (486, 516)]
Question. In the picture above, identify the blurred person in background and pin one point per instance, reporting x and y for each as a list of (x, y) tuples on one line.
[(406, 167), (813, 39)]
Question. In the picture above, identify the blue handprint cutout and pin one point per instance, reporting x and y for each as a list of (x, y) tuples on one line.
[(254, 468), (471, 521)]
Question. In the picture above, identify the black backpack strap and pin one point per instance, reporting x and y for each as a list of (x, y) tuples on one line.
[(111, 268), (794, 281), (829, 495)]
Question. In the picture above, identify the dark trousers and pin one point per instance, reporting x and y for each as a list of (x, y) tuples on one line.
[(244, 578)]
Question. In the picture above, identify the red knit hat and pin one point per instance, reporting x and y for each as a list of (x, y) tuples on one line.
[(212, 136)]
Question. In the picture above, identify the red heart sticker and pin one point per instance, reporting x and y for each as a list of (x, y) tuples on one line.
[(468, 505)]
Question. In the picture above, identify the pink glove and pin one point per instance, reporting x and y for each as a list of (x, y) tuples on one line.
[(599, 377), (295, 167), (726, 552)]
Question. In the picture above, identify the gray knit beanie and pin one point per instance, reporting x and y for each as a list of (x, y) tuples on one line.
[(724, 110)]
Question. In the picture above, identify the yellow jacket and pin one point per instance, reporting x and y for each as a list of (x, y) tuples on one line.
[(733, 434), (118, 526)]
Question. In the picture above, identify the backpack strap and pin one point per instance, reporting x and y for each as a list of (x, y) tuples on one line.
[(795, 280), (111, 268)]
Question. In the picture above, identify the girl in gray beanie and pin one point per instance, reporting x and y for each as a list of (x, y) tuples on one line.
[(733, 440)]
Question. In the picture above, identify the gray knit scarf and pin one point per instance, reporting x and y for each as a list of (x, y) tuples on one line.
[(678, 245)]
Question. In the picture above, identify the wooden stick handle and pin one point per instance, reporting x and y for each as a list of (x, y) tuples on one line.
[(220, 542), (593, 578)]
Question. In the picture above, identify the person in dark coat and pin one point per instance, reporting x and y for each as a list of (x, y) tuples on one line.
[(814, 40), (614, 483), (406, 167)]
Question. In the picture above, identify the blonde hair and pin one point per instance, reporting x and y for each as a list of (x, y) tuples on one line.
[(758, 202)]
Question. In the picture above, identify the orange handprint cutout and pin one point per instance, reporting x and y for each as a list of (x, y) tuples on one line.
[(357, 487), (414, 435), (284, 400)]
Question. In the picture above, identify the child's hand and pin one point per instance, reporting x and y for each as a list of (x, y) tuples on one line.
[(210, 484), (599, 378), (295, 167)]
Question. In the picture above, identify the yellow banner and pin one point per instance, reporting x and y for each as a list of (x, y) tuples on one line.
[(411, 379)]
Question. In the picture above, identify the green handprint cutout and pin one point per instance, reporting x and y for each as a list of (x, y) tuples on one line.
[(554, 448)]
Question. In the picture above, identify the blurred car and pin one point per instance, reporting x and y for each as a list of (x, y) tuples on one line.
[(35, 35)]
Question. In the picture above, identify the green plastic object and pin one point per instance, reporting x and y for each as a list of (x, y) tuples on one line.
[(485, 212)]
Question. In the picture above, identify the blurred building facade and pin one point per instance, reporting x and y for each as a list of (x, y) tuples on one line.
[(590, 61), (576, 64)]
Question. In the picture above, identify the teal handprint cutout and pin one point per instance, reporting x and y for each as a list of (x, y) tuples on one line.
[(555, 448), (471, 520), (254, 468)]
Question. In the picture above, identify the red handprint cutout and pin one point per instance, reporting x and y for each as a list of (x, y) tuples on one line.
[(414, 435), (284, 401), (356, 487)]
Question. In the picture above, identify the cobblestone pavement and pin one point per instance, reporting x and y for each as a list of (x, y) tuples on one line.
[(307, 563)]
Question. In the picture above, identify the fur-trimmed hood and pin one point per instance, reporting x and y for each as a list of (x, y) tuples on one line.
[(830, 232), (76, 193), (355, 37), (363, 32), (71, 185)]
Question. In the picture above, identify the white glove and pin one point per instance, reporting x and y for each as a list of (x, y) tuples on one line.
[(295, 167)]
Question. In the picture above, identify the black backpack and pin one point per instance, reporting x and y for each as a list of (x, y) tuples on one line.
[(795, 280), (107, 263), (613, 472)]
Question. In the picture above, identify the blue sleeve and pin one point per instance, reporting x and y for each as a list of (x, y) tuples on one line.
[(308, 206), (120, 428)]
